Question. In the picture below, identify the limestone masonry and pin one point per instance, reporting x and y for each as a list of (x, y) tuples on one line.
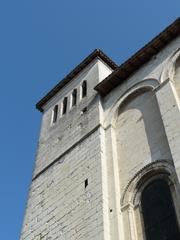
[(108, 159)]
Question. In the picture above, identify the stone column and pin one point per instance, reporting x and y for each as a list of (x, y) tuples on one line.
[(138, 222), (132, 229)]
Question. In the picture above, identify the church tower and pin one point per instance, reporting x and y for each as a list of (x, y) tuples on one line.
[(108, 159)]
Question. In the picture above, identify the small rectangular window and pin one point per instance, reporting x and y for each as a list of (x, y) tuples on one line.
[(84, 89), (64, 110), (55, 113), (86, 183), (74, 97)]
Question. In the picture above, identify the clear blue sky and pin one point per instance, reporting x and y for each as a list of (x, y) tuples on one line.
[(41, 41)]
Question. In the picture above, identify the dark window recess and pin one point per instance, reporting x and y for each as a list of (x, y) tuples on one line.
[(55, 113), (84, 89), (86, 183), (74, 97), (64, 110), (158, 212)]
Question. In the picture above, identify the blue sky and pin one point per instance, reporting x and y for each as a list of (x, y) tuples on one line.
[(41, 41)]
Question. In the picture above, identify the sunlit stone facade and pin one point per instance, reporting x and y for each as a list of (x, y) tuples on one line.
[(96, 158)]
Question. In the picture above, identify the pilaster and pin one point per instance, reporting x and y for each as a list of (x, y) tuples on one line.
[(169, 106)]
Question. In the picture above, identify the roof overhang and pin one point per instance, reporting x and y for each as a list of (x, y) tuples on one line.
[(138, 59), (97, 53)]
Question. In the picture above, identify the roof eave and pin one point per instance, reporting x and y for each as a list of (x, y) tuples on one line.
[(138, 59), (97, 53)]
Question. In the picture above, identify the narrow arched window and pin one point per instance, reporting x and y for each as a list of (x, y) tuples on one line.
[(64, 107), (55, 113), (74, 97), (84, 89), (158, 211)]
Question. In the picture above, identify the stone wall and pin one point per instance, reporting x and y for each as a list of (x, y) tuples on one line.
[(92, 157), (60, 206), (66, 194), (140, 118)]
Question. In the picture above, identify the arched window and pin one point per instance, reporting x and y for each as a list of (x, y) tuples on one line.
[(84, 89), (74, 97), (55, 113), (158, 212), (64, 107)]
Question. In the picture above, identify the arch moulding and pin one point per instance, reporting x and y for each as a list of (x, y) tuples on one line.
[(158, 169), (169, 69), (139, 88)]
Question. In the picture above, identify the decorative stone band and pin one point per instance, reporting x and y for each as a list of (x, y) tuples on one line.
[(66, 152)]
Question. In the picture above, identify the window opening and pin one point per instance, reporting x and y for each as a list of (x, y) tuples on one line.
[(64, 110), (74, 97), (86, 183), (158, 212), (84, 89), (55, 113)]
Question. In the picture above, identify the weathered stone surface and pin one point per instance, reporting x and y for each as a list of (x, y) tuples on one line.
[(116, 143)]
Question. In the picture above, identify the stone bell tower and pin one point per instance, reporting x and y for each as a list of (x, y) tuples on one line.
[(66, 196), (108, 160)]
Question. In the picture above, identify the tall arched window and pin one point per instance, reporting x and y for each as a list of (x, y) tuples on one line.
[(64, 107), (55, 113), (158, 212), (84, 89), (74, 97)]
